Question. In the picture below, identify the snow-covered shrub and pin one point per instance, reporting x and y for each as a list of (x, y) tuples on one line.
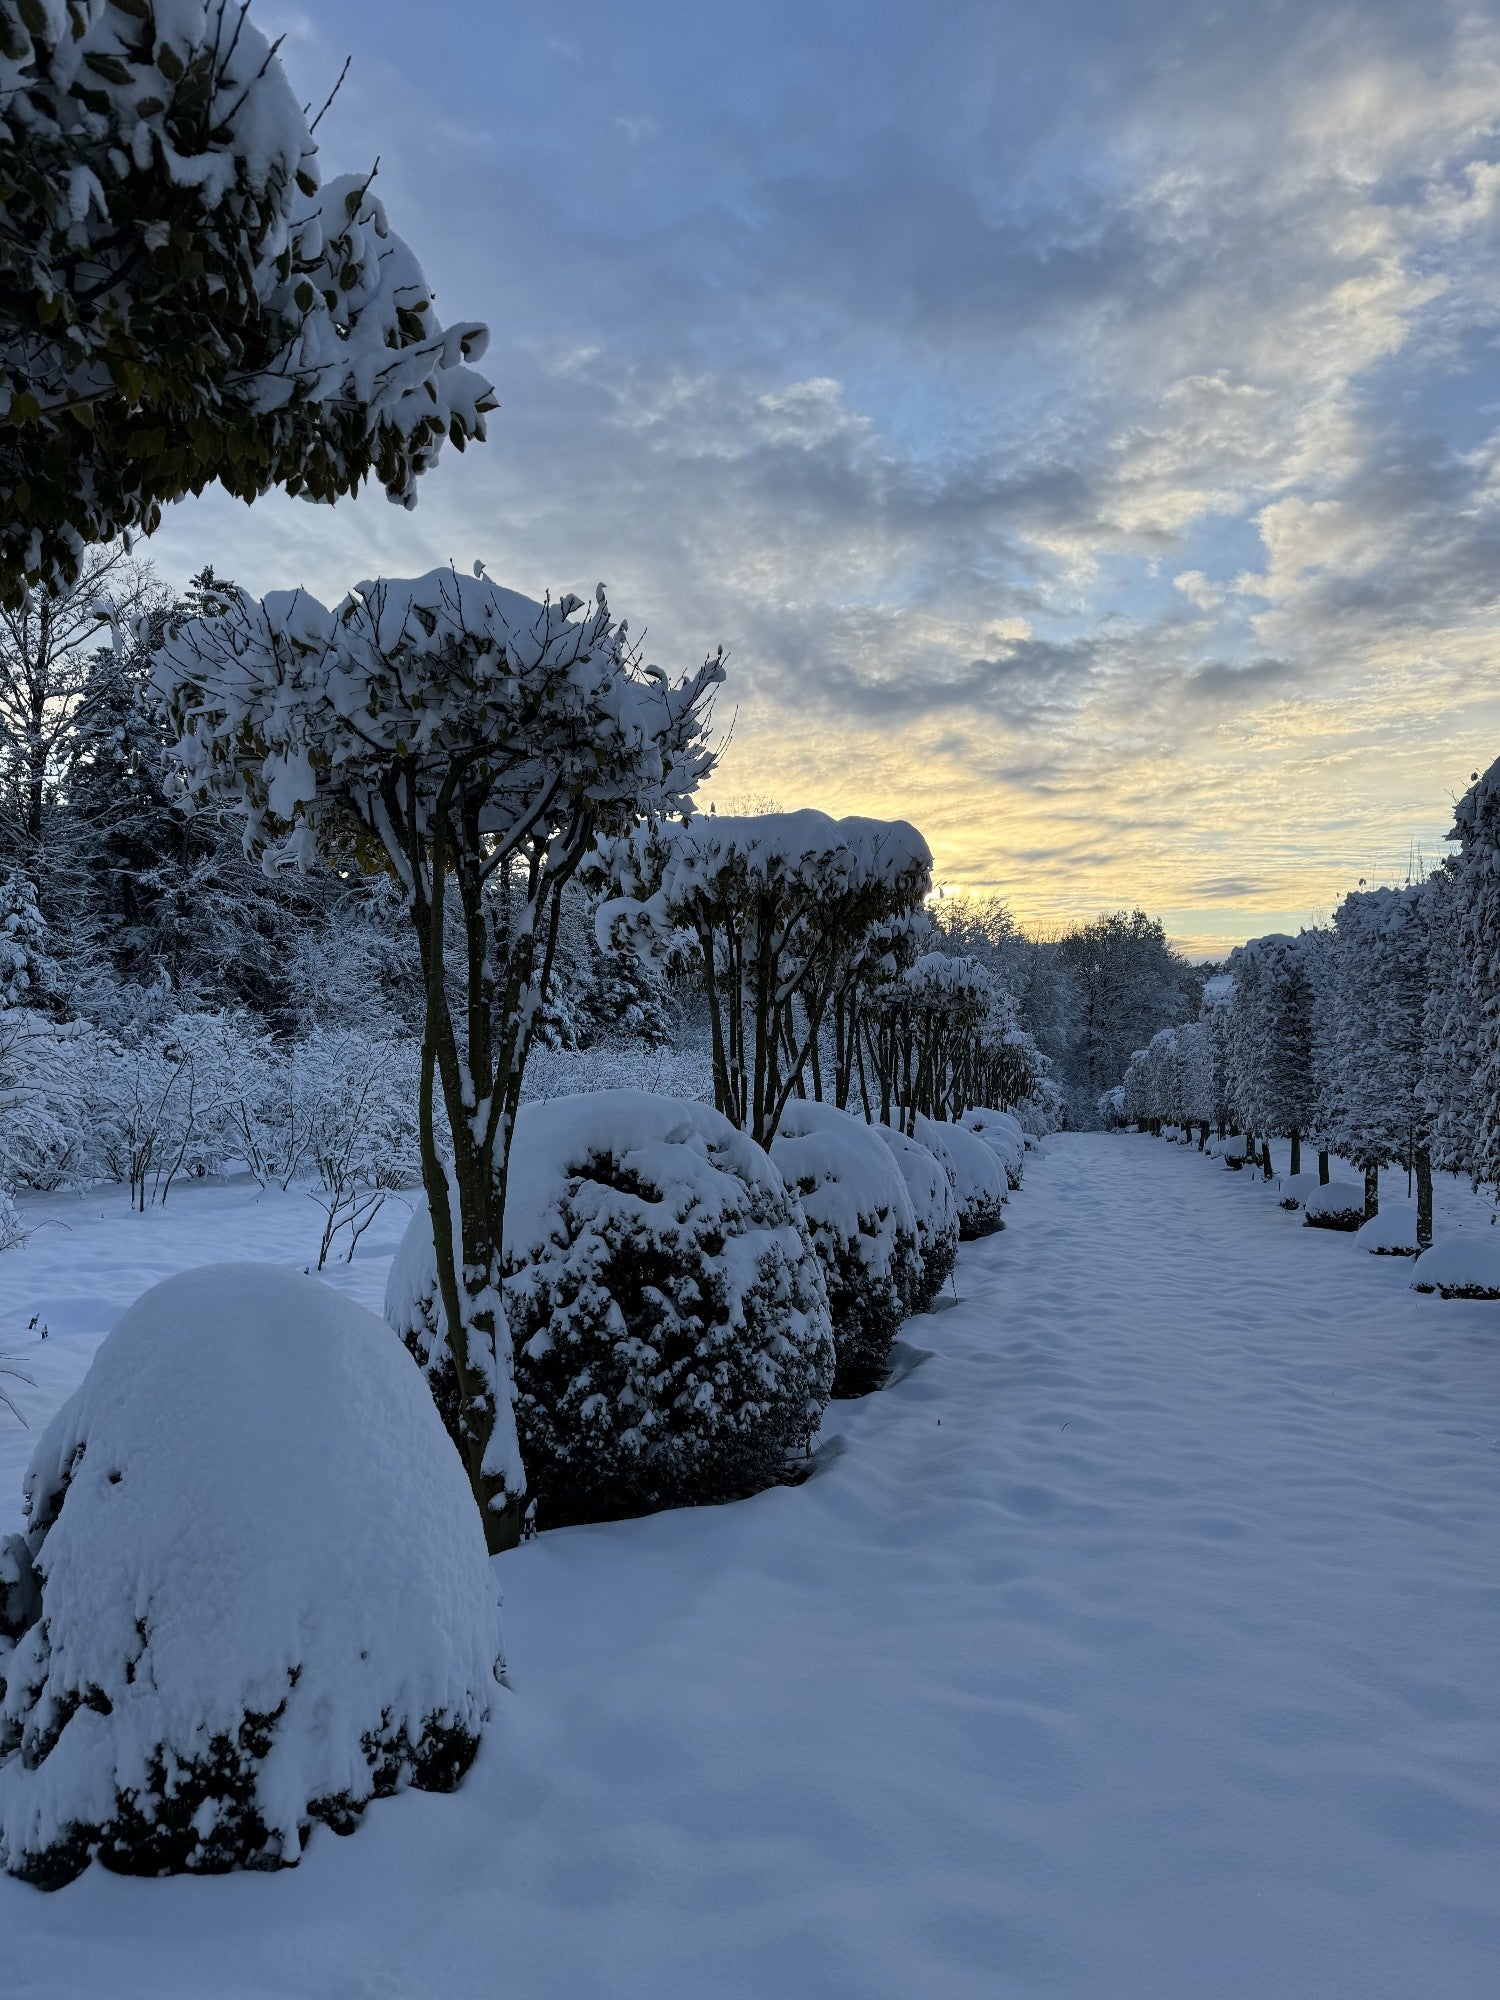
[(1004, 1137), (1461, 1267), (976, 1176), (1295, 1189), (672, 1337), (1111, 1108), (1337, 1205), (252, 1594), (935, 1209), (354, 1107), (862, 1224), (11, 1231), (1391, 1232)]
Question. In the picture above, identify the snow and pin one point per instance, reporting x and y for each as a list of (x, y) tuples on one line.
[(1131, 1647), (247, 1509)]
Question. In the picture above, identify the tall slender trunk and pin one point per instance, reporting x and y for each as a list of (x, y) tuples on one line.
[(1372, 1192), (1322, 1166), (1265, 1159), (1424, 1198)]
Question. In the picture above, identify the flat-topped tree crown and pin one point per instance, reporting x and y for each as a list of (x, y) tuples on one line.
[(784, 908), (182, 300)]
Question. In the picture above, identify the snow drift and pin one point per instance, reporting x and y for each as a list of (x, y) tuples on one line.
[(253, 1593)]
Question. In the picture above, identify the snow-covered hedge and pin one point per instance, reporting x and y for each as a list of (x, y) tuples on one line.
[(1338, 1205), (1461, 1267), (1004, 1137), (864, 1229), (253, 1592), (976, 1175), (1392, 1232), (670, 1324), (935, 1208)]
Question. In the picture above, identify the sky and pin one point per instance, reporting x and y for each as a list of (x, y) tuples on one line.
[(1079, 423)]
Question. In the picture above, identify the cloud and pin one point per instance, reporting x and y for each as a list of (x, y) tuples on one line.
[(946, 402)]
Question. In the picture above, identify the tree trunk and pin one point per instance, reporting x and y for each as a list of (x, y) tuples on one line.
[(1372, 1192), (1424, 1198), (1322, 1166), (1265, 1159), (1202, 1136), (1296, 1144)]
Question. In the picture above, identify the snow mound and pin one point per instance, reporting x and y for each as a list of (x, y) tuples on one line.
[(935, 1209), (863, 1227), (253, 1592), (1461, 1267), (1338, 1205), (975, 1174), (668, 1313), (1295, 1190), (1004, 1137), (1392, 1232)]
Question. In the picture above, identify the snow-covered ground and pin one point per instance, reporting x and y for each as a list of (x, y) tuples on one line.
[(1139, 1644)]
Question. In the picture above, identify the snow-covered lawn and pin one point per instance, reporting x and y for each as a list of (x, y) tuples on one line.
[(1139, 1644)]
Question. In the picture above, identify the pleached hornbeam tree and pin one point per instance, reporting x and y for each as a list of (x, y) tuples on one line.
[(469, 741)]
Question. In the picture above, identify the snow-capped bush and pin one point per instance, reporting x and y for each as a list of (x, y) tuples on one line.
[(864, 1230), (671, 1327), (1004, 1137), (252, 1594), (1338, 1205), (1461, 1267), (975, 1174), (1391, 1232), (1295, 1189), (935, 1209), (28, 973)]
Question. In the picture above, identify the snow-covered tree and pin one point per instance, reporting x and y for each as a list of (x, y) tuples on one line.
[(1469, 1032), (1451, 1020), (472, 741), (784, 909), (1376, 992), (1271, 1039), (28, 972), (183, 302), (1129, 982)]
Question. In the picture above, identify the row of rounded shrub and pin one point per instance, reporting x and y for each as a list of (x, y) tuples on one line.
[(254, 1593), (682, 1303), (1466, 1265)]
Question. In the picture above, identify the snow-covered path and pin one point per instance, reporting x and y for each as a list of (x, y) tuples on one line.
[(1142, 1644)]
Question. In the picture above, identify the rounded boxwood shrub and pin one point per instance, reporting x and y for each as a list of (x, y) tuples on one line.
[(1336, 1205), (253, 1591), (862, 1225), (935, 1210), (666, 1308), (977, 1178), (1004, 1137)]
